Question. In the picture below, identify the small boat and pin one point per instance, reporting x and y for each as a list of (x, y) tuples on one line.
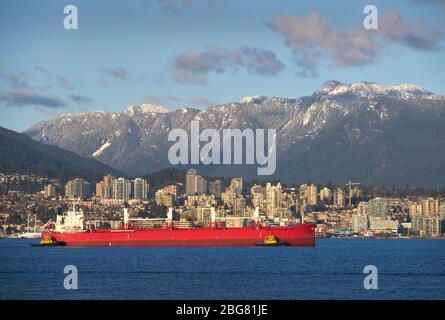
[(29, 235), (47, 241), (271, 241)]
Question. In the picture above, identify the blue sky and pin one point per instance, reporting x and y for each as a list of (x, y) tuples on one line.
[(197, 53)]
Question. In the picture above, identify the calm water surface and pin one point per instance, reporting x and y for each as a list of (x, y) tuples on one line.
[(408, 269)]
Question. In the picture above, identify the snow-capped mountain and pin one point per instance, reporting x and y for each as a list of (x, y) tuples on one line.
[(362, 131)]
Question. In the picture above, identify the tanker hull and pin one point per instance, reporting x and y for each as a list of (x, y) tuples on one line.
[(299, 235)]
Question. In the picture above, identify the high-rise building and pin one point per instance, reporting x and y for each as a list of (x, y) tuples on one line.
[(107, 187), (257, 196), (325, 195), (363, 208), (49, 191), (78, 188), (194, 184), (121, 189), (190, 181), (308, 194), (104, 188), (432, 226), (200, 185), (237, 186), (430, 207), (99, 189), (216, 187), (273, 199), (427, 226), (140, 189), (378, 208), (239, 205), (339, 197), (412, 209), (442, 211)]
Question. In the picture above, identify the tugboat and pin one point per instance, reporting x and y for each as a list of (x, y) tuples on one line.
[(271, 241), (47, 241)]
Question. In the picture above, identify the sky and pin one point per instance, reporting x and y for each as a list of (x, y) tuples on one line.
[(190, 53)]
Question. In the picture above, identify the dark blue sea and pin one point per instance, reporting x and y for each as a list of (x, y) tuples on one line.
[(407, 269)]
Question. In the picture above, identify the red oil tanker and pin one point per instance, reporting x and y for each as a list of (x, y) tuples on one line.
[(68, 232)]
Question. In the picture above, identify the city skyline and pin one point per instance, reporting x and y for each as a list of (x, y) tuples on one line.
[(334, 211)]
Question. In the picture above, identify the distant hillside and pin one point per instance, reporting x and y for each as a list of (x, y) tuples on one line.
[(21, 154)]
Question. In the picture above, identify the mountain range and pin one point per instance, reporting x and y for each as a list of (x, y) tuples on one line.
[(383, 135)]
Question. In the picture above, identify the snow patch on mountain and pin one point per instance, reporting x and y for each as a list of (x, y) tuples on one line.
[(102, 148), (253, 99), (145, 109), (371, 89)]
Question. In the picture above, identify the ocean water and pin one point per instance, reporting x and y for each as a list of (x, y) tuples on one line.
[(407, 269)]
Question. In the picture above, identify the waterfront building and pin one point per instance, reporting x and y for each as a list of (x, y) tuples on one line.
[(359, 222), (378, 224), (432, 226), (378, 207), (417, 222)]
